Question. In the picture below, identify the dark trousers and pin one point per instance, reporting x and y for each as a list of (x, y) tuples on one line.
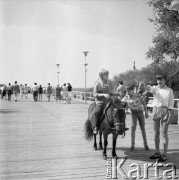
[(35, 95), (98, 114), (9, 93)]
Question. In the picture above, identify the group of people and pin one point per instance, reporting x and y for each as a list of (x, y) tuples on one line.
[(66, 92), (63, 92), (7, 91), (136, 102)]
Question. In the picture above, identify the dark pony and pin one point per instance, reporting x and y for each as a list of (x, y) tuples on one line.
[(112, 121)]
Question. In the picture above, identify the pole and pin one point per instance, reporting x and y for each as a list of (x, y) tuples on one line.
[(85, 53), (85, 81), (58, 78), (58, 72)]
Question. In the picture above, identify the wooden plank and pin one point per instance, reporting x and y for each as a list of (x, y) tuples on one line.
[(44, 140)]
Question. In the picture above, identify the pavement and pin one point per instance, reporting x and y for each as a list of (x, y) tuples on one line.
[(45, 140)]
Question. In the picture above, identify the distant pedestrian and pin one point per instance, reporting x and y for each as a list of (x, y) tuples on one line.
[(40, 92), (58, 93), (26, 91), (49, 91), (9, 91), (16, 90), (4, 92), (1, 89), (30, 90), (35, 92), (21, 91), (64, 92), (69, 89)]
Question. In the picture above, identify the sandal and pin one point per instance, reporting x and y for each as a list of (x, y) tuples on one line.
[(163, 158), (155, 156)]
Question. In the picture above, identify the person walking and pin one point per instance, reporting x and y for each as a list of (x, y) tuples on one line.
[(35, 92), (16, 90), (58, 94), (65, 92), (49, 91), (163, 109), (40, 92), (1, 90), (9, 92), (21, 91), (136, 103), (4, 92), (69, 89), (26, 89)]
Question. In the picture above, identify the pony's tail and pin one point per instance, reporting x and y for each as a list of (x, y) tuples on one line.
[(88, 130)]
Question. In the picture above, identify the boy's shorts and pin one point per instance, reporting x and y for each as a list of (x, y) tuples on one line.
[(161, 114)]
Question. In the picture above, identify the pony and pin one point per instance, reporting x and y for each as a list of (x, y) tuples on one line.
[(112, 121)]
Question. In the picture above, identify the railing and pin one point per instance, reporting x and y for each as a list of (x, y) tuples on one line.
[(89, 96), (176, 103), (80, 95)]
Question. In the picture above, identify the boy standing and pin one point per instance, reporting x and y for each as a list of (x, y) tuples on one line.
[(163, 106), (136, 103)]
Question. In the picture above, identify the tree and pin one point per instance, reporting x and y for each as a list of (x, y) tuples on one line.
[(148, 74), (166, 22)]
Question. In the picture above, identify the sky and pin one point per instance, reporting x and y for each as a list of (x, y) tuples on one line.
[(35, 35)]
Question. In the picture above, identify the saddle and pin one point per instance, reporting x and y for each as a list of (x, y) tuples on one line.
[(105, 110)]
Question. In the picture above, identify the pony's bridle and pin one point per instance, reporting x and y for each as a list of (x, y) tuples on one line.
[(112, 128), (118, 124)]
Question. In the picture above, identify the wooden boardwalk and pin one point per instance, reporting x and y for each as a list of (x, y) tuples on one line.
[(44, 140)]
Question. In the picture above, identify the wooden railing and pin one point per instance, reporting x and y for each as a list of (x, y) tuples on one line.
[(89, 96), (80, 95), (176, 103)]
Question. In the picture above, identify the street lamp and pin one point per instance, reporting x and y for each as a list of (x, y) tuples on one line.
[(58, 72), (85, 53)]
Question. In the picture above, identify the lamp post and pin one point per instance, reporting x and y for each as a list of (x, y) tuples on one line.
[(85, 53), (58, 72)]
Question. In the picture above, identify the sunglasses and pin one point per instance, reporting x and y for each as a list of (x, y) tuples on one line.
[(159, 78)]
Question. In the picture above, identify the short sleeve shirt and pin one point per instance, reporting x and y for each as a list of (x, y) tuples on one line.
[(135, 102), (163, 96)]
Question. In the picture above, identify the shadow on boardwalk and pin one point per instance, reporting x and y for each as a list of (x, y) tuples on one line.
[(44, 140)]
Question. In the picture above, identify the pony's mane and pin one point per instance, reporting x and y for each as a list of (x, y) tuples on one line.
[(118, 103)]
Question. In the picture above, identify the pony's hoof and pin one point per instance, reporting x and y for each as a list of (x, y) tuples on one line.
[(100, 147), (95, 148), (104, 157)]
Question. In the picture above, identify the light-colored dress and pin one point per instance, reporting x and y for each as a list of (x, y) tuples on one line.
[(65, 92), (49, 91)]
